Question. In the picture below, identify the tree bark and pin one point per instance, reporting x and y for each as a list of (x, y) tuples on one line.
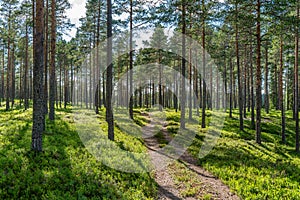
[(296, 103), (183, 91), (281, 100), (252, 91), (231, 88), (98, 76), (8, 74), (26, 103), (46, 56), (52, 62), (204, 97), (266, 83), (296, 73), (240, 87), (258, 76), (109, 74), (131, 62), (38, 83)]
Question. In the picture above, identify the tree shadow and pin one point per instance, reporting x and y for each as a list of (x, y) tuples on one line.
[(64, 170)]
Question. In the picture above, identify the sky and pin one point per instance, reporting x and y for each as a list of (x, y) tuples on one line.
[(75, 13)]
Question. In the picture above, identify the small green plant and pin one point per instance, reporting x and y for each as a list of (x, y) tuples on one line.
[(207, 197)]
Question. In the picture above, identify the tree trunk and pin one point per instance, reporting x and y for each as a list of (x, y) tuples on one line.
[(240, 87), (231, 88), (160, 98), (98, 76), (266, 83), (183, 91), (258, 77), (190, 82), (2, 75), (203, 123), (52, 62), (225, 82), (46, 56), (26, 103), (245, 84), (13, 71), (109, 74), (8, 74), (131, 62), (252, 91), (38, 83), (296, 73), (281, 100)]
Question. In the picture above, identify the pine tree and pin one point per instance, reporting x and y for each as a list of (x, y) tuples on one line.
[(38, 83)]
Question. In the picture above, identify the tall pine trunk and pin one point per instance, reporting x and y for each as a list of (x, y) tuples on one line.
[(52, 95), (26, 103), (296, 73), (258, 76), (204, 97), (252, 91), (46, 56), (267, 107), (131, 62), (240, 87), (231, 88), (38, 83), (281, 100), (183, 91), (8, 74), (109, 75)]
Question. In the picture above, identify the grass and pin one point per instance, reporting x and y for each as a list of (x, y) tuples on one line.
[(267, 171), (65, 169), (186, 180)]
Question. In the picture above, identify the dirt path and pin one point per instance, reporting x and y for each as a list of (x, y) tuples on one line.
[(168, 190)]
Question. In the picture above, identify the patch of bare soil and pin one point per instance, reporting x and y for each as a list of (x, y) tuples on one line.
[(168, 189)]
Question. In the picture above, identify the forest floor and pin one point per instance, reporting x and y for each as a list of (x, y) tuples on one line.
[(67, 170), (198, 183)]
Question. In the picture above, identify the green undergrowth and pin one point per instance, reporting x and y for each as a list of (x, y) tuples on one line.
[(186, 181), (65, 169), (267, 171)]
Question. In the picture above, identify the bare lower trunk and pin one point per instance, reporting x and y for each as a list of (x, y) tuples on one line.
[(258, 77), (109, 74), (52, 63), (281, 101), (38, 83), (183, 92), (296, 72)]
